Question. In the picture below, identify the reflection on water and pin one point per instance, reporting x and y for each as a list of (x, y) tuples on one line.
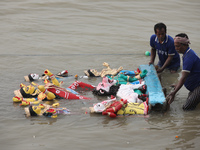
[(184, 126), (188, 131), (168, 79), (42, 120)]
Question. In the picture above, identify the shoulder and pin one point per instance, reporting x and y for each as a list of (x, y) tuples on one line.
[(153, 37), (190, 56), (170, 39), (191, 53), (153, 40)]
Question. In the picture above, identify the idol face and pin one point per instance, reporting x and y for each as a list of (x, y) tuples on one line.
[(36, 109), (29, 89), (99, 107), (35, 76)]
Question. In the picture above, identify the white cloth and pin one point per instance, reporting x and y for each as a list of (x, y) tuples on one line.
[(126, 92)]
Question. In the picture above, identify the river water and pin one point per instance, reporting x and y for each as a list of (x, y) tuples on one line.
[(82, 34)]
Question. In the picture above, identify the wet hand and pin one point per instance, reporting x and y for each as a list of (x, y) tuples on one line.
[(170, 97), (150, 63), (159, 70)]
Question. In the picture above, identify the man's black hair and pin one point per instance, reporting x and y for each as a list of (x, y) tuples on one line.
[(182, 35), (159, 26)]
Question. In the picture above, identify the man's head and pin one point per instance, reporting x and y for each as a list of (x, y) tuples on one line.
[(181, 42), (160, 30)]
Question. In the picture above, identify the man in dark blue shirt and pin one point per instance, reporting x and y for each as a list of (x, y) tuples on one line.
[(164, 45), (190, 74)]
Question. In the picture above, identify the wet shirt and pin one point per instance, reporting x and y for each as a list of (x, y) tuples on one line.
[(165, 49), (191, 64)]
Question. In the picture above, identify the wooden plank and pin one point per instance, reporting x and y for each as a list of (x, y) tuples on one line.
[(154, 88)]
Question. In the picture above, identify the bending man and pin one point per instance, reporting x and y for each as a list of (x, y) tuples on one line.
[(190, 74), (164, 45)]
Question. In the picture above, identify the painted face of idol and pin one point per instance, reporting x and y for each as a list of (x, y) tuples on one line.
[(35, 76)]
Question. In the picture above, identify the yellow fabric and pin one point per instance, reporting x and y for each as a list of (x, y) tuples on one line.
[(54, 116), (50, 95), (26, 103), (22, 85), (47, 72), (46, 81), (132, 108), (53, 78), (41, 96), (41, 106), (30, 99), (55, 105), (55, 81), (41, 88), (17, 99)]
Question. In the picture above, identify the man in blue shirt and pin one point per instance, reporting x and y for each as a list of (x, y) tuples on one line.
[(164, 45), (190, 73)]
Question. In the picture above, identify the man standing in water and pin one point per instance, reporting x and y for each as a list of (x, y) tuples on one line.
[(190, 73), (164, 45)]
